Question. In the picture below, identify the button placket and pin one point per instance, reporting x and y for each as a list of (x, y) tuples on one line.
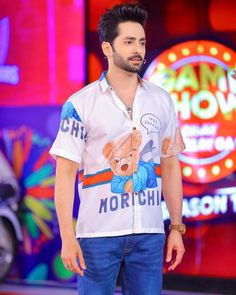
[(133, 126), (136, 209), (120, 104)]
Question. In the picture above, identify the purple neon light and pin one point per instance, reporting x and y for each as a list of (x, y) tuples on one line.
[(198, 58), (4, 39)]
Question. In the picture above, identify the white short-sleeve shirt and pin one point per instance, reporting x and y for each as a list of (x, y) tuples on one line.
[(119, 157)]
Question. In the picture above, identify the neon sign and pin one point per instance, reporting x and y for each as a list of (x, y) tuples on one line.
[(8, 73), (197, 74), (206, 207)]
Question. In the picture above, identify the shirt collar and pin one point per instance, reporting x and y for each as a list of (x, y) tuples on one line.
[(103, 81), (105, 85)]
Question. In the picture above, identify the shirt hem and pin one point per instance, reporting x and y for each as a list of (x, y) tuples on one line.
[(121, 233)]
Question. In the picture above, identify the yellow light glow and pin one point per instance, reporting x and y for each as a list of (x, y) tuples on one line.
[(161, 66), (187, 171), (201, 173), (215, 170), (200, 49), (185, 51), (229, 163), (172, 57), (213, 50), (227, 56)]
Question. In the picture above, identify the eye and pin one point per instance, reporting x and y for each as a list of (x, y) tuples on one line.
[(115, 161), (128, 42)]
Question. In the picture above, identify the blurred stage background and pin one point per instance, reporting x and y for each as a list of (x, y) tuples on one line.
[(50, 49)]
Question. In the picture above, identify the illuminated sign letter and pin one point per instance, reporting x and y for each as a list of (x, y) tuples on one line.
[(187, 78), (207, 112), (212, 77)]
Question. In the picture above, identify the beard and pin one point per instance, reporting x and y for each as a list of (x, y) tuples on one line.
[(123, 64)]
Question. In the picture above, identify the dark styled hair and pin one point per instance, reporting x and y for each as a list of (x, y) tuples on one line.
[(109, 21)]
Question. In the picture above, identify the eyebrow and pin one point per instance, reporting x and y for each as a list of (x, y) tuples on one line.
[(133, 38)]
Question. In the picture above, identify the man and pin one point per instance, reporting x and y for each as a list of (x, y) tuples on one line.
[(118, 131)]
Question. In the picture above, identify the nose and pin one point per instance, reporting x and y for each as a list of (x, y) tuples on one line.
[(124, 167), (137, 48)]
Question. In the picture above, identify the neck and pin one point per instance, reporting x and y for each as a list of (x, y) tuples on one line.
[(120, 79)]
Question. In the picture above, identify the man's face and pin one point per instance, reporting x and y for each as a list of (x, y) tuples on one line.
[(129, 47)]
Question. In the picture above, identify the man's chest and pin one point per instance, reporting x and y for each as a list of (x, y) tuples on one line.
[(109, 117)]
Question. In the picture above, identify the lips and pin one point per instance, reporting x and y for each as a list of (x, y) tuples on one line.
[(135, 59)]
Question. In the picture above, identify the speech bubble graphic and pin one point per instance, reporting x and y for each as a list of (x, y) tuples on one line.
[(151, 123)]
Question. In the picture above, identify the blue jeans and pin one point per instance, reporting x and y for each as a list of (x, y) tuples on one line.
[(139, 257)]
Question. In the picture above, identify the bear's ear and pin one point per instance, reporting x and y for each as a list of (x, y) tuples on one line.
[(108, 149), (136, 138)]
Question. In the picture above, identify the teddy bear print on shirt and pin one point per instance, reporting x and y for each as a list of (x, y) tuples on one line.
[(131, 173)]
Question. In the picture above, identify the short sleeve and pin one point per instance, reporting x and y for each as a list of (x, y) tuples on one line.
[(172, 140), (71, 137)]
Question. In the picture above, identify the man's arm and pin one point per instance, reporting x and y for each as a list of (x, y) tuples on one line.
[(64, 198), (173, 195)]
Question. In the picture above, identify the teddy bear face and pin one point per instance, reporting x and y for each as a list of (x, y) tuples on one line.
[(123, 155), (123, 165)]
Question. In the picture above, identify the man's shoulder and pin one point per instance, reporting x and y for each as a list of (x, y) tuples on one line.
[(84, 92), (150, 86), (156, 91)]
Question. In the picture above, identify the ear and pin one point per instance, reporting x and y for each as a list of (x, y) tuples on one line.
[(136, 138), (108, 148), (107, 49)]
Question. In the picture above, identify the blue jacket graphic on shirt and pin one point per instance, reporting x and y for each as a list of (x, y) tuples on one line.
[(144, 178)]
